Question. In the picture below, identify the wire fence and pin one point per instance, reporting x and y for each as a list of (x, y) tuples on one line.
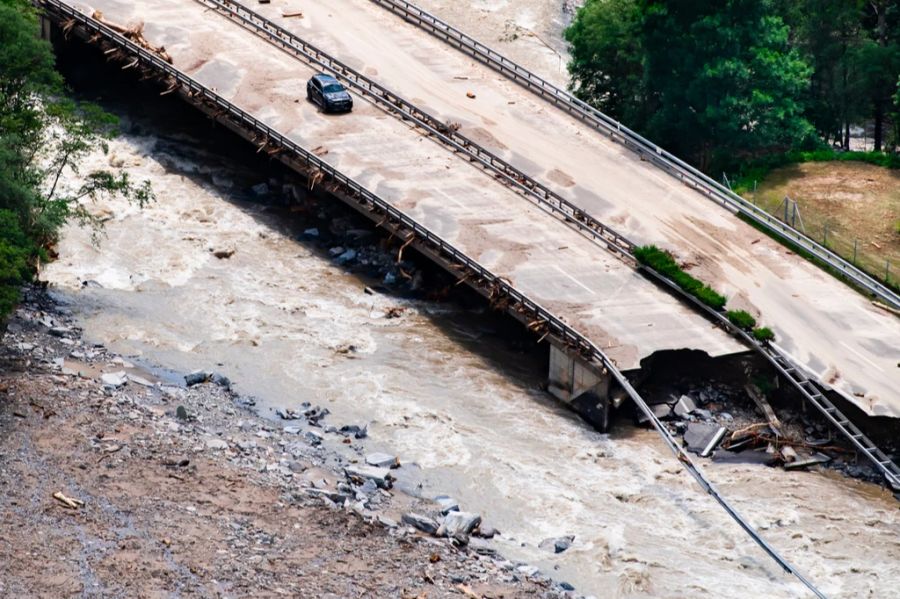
[(879, 259)]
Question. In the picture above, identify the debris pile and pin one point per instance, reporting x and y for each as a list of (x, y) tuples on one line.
[(752, 433)]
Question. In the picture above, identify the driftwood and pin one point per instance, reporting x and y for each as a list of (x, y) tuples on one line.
[(135, 34), (766, 409), (69, 502)]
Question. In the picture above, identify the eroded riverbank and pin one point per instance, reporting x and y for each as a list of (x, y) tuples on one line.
[(119, 485)]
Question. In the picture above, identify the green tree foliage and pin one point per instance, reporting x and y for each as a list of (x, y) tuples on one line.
[(720, 82), (710, 79), (44, 136)]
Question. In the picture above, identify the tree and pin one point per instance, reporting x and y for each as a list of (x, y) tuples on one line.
[(44, 136), (606, 65), (711, 81)]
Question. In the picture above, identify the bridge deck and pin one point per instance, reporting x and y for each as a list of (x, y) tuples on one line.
[(837, 334), (603, 298)]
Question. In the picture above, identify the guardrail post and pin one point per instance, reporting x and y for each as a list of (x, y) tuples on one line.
[(855, 246), (887, 270)]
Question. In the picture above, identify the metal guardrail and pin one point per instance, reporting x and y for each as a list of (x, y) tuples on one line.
[(647, 149), (540, 194), (552, 202), (561, 330)]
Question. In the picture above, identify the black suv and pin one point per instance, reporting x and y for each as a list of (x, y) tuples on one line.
[(328, 93)]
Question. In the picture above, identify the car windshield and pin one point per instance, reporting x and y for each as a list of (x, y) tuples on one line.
[(332, 88)]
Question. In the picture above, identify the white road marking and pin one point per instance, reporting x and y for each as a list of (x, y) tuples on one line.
[(447, 196), (574, 280), (871, 363)]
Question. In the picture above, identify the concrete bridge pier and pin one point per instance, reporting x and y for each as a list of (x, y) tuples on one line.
[(583, 387)]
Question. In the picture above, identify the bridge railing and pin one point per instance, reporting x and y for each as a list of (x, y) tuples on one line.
[(646, 148)]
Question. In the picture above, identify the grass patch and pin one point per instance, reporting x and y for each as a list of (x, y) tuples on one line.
[(757, 170), (663, 263), (741, 319), (763, 334)]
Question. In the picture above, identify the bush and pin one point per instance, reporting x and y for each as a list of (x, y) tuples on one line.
[(742, 319), (663, 263), (763, 334)]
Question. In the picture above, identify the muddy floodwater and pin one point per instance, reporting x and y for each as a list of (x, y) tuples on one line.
[(437, 386)]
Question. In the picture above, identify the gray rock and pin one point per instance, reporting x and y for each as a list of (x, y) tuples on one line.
[(60, 331), (420, 522), (336, 251), (221, 380), (114, 379), (347, 256), (458, 523), (260, 189), (486, 532), (292, 430), (385, 521), (382, 460), (359, 432), (370, 487), (558, 544), (704, 414), (139, 380), (181, 413), (447, 503), (527, 570), (216, 444), (684, 406), (313, 437), (381, 476), (195, 378), (333, 496), (313, 232), (566, 586)]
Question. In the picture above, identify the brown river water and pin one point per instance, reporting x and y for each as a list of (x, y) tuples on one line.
[(462, 410)]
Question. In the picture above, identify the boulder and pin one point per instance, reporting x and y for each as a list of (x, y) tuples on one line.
[(221, 380), (420, 522), (195, 378), (381, 476), (447, 503), (382, 460), (114, 379), (216, 444), (557, 544), (458, 523)]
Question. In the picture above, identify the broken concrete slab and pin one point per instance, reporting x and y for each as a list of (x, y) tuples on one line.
[(698, 435), (814, 460), (744, 457)]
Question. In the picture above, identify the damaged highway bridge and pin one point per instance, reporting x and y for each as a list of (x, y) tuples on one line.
[(569, 277)]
